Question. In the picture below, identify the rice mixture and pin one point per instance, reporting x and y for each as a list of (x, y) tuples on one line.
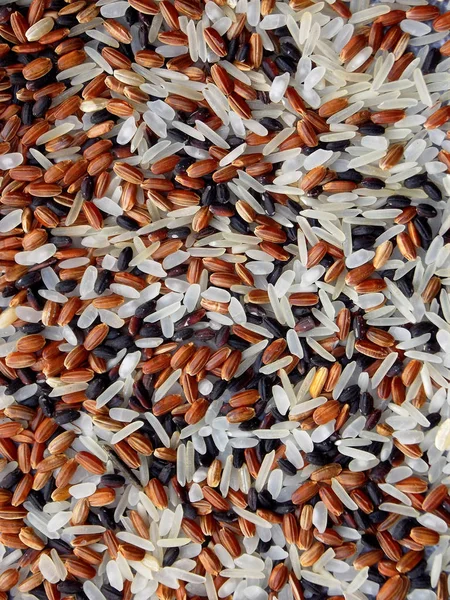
[(225, 311)]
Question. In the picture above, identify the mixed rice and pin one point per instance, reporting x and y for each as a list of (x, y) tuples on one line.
[(224, 293)]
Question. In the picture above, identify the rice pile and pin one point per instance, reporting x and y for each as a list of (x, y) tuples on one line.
[(225, 316)]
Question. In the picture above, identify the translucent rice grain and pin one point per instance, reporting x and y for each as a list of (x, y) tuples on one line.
[(369, 14), (11, 220), (253, 12), (159, 430), (279, 87), (264, 470), (320, 516), (126, 431), (92, 591), (386, 364)]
